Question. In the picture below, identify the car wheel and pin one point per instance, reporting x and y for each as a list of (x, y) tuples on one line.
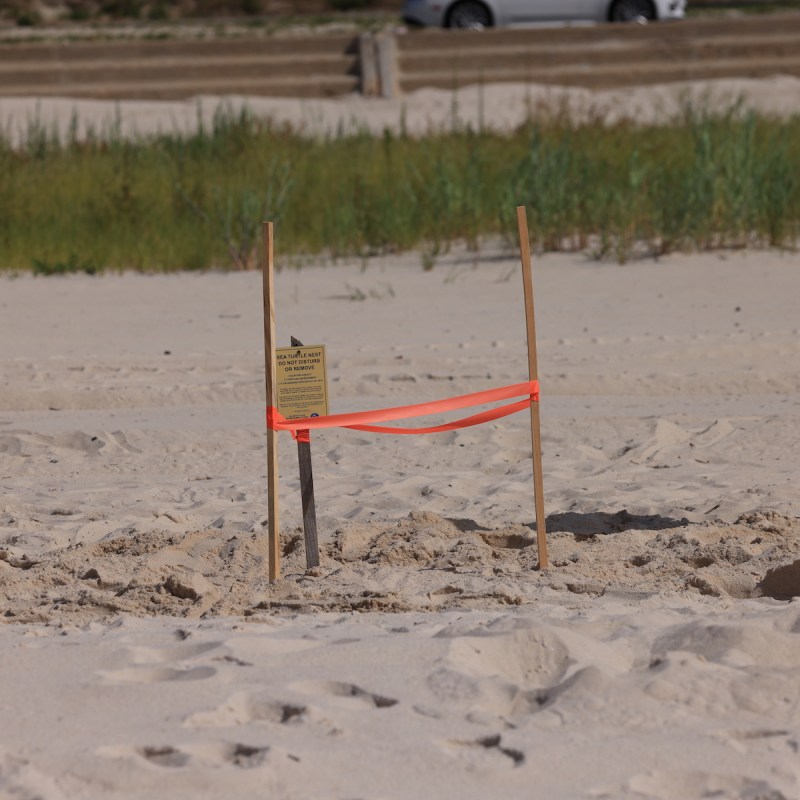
[(470, 14), (632, 11)]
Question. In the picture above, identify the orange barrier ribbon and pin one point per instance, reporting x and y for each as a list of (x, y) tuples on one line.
[(362, 420)]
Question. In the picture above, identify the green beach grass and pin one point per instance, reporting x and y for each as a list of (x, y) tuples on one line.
[(195, 202)]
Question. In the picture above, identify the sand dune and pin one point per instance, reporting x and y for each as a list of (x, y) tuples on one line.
[(499, 107)]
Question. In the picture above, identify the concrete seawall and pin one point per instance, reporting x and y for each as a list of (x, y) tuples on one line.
[(392, 62)]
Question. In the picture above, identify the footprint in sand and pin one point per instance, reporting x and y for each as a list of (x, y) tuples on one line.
[(165, 756), (533, 657), (20, 779), (163, 655), (155, 674), (118, 441), (347, 693), (698, 783), (159, 664), (193, 756), (488, 752), (243, 708), (243, 755), (503, 677)]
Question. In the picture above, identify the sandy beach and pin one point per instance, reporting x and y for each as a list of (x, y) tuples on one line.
[(144, 654)]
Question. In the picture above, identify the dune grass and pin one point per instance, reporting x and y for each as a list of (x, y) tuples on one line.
[(195, 201)]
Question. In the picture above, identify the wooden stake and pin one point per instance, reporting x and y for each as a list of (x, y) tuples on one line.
[(307, 494), (533, 374), (272, 402)]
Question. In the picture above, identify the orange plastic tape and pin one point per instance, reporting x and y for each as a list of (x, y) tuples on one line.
[(362, 420)]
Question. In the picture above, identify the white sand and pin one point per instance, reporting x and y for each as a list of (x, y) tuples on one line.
[(146, 656)]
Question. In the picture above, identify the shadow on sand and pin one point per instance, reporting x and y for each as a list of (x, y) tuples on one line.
[(600, 523)]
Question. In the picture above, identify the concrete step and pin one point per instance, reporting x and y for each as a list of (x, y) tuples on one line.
[(633, 55), (308, 86), (315, 66), (142, 51), (608, 77), (177, 69)]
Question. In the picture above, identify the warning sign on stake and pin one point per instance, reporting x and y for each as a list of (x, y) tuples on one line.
[(302, 381)]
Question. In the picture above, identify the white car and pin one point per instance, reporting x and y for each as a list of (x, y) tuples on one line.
[(478, 14)]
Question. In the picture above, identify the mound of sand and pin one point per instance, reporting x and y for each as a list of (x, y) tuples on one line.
[(423, 563)]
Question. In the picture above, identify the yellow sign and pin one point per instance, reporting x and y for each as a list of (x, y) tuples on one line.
[(302, 381)]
